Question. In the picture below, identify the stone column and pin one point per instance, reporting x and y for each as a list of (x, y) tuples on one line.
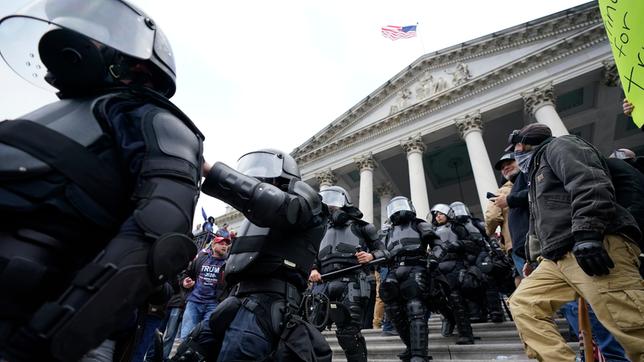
[(471, 130), (326, 179), (414, 147), (385, 192), (366, 164), (540, 102)]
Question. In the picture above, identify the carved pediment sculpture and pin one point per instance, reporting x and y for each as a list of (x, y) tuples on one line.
[(440, 84), (424, 89), (402, 101), (460, 75)]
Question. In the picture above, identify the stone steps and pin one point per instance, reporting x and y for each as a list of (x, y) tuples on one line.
[(494, 342)]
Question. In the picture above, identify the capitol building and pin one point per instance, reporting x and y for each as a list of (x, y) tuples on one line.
[(434, 131)]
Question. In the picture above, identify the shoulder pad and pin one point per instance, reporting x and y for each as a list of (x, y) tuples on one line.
[(175, 138), (310, 196), (426, 230), (370, 231)]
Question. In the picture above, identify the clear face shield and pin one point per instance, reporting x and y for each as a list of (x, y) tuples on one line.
[(260, 165), (114, 24), (334, 198), (460, 209), (397, 205)]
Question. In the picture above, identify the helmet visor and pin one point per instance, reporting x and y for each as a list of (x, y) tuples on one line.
[(260, 164), (395, 206), (112, 23), (334, 198), (460, 209)]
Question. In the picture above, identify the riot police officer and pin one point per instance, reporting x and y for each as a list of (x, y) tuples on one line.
[(489, 301), (406, 287), (268, 264), (348, 241), (98, 189), (451, 252)]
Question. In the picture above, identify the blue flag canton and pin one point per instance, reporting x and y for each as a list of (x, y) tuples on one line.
[(406, 29)]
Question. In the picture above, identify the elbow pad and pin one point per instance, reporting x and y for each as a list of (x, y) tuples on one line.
[(263, 204)]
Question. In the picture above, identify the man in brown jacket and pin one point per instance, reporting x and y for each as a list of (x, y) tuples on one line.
[(496, 213)]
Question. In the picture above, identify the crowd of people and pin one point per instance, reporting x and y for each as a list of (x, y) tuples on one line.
[(114, 265)]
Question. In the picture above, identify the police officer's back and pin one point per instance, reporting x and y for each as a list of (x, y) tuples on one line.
[(95, 217)]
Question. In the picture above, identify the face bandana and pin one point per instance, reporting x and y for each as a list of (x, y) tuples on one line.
[(523, 160)]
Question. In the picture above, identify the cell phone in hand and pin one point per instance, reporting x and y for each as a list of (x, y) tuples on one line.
[(490, 195)]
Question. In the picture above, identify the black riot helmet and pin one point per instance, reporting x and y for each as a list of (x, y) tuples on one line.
[(400, 210), (269, 165), (336, 196), (460, 209), (81, 46)]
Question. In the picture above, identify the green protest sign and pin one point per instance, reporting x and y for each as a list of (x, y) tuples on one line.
[(624, 23)]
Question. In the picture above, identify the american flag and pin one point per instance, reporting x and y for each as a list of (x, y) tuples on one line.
[(394, 32)]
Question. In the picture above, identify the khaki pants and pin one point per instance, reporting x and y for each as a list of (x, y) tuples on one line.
[(379, 308), (616, 298)]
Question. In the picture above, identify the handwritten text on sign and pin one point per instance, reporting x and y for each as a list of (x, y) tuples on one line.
[(624, 23)]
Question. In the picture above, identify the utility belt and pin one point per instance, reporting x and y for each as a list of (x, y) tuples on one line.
[(287, 290), (404, 260)]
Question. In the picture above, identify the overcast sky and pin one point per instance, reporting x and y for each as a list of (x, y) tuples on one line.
[(254, 74)]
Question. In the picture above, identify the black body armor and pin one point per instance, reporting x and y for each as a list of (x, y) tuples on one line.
[(96, 197)]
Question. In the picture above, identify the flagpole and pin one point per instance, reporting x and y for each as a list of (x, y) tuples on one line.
[(422, 43)]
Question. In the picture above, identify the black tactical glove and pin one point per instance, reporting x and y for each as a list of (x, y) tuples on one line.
[(592, 257), (454, 246), (432, 263)]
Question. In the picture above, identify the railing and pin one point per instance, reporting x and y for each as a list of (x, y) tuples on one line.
[(202, 238)]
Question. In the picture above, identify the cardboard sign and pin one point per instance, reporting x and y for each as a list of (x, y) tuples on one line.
[(624, 23)]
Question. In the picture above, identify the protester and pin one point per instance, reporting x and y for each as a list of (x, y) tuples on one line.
[(496, 213), (94, 212), (588, 244), (223, 231), (204, 279)]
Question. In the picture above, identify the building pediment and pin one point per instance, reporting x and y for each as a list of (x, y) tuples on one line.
[(441, 78)]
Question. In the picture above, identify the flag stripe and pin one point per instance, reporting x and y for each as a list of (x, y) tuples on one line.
[(395, 32)]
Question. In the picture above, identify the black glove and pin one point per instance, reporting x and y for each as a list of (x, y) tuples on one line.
[(592, 257), (432, 263), (454, 246)]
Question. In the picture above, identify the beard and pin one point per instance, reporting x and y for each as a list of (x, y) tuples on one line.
[(512, 175)]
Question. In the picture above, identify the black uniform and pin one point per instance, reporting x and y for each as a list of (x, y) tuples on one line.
[(349, 293), (488, 301), (455, 251), (268, 267), (118, 177), (406, 288)]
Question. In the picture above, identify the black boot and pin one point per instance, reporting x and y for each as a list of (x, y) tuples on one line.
[(405, 355), (447, 327), (463, 325)]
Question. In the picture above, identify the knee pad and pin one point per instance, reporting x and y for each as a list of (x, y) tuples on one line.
[(416, 309), (335, 289), (409, 289), (389, 290)]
